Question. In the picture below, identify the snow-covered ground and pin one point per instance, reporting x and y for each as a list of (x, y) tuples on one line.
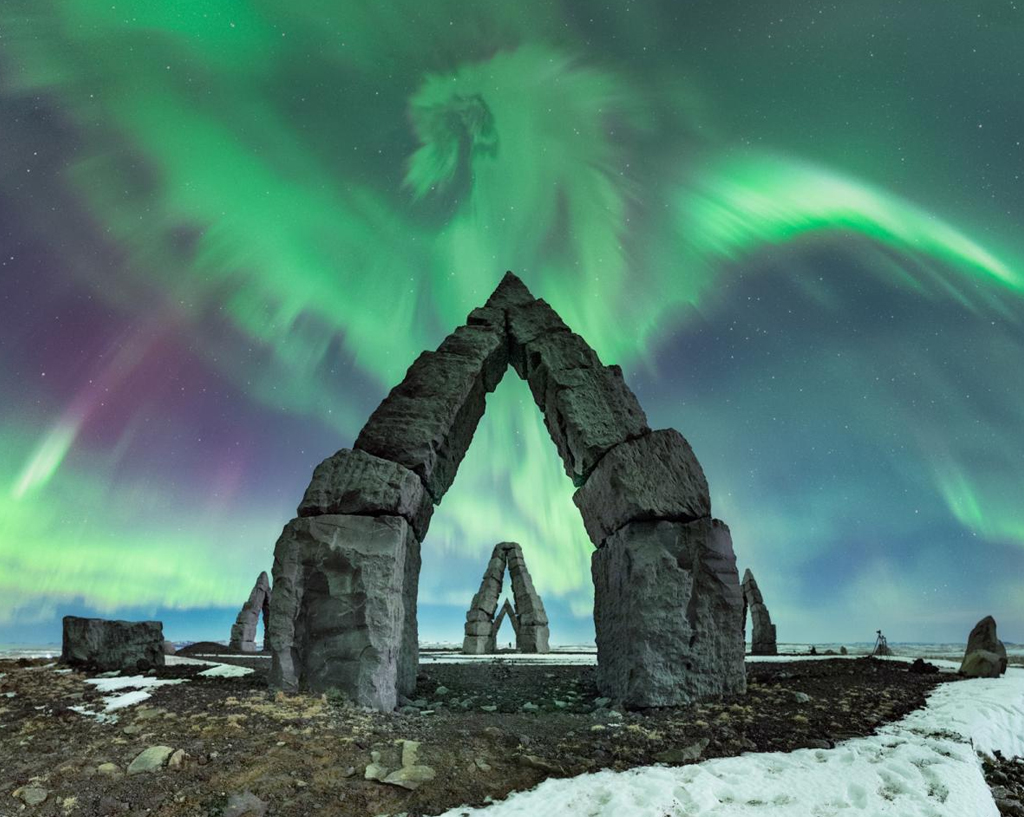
[(923, 766)]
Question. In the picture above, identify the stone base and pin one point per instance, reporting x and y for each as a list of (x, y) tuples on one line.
[(478, 645), (531, 638), (668, 614), (113, 645), (343, 607)]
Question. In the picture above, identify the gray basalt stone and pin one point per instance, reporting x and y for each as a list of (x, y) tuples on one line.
[(751, 592), (655, 476), (762, 631), (340, 616), (588, 412), (762, 638), (509, 292), (243, 631), (478, 645), (667, 609), (112, 644), (532, 639), (355, 482), (481, 346), (985, 656), (427, 421)]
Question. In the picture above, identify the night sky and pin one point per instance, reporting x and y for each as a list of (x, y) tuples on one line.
[(228, 226)]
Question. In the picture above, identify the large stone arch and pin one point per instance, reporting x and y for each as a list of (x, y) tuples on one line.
[(667, 606)]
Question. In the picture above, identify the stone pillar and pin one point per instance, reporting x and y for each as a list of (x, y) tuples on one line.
[(531, 619), (667, 610), (341, 606), (762, 631), (243, 631), (480, 630)]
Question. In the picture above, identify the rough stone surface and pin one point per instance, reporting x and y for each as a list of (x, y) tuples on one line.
[(339, 613), (411, 777), (355, 482), (113, 645), (427, 421), (655, 476), (509, 292), (985, 656), (588, 412), (529, 621), (243, 631), (762, 631), (245, 804), (32, 795), (478, 645), (667, 614), (150, 760), (168, 648)]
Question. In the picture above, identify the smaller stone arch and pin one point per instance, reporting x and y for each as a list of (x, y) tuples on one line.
[(243, 631), (529, 620), (762, 631)]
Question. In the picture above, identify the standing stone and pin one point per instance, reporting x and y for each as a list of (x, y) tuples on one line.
[(985, 656), (762, 631), (667, 612), (529, 621), (339, 612), (113, 645), (243, 631)]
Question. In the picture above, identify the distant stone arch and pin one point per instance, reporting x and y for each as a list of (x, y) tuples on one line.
[(762, 631), (529, 619), (243, 631), (667, 601)]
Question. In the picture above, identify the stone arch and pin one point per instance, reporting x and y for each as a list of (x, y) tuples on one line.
[(529, 619), (762, 631), (243, 631), (667, 600)]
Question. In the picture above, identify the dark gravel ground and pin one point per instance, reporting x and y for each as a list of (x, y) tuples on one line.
[(1006, 779), (302, 755)]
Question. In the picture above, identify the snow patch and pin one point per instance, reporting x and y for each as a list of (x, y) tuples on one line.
[(139, 686), (922, 766), (226, 671)]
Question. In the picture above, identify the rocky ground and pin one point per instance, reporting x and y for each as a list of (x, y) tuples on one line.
[(1006, 778), (473, 732)]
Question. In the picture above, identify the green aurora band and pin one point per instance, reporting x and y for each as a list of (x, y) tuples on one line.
[(269, 213)]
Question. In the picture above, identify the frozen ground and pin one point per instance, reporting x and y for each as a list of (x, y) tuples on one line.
[(922, 766)]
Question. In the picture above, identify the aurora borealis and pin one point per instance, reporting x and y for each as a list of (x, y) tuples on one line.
[(226, 229)]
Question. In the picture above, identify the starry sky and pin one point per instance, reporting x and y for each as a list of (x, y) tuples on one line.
[(228, 226)]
